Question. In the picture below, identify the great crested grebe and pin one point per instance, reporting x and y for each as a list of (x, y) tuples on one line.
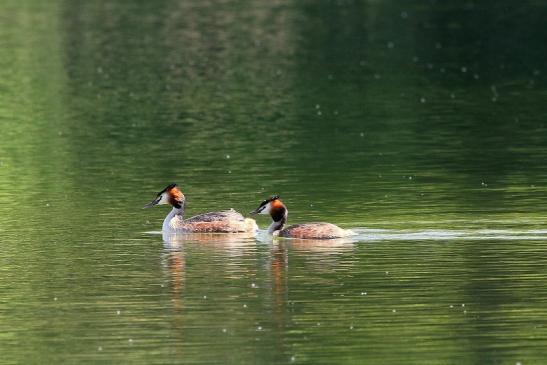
[(317, 230), (227, 221)]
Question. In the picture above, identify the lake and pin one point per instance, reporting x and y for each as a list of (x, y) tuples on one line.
[(421, 125)]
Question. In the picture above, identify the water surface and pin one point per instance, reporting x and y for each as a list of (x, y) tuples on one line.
[(420, 125)]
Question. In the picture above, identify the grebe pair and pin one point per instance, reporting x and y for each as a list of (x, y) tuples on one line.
[(230, 221)]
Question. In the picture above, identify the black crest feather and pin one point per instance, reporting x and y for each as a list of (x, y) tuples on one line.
[(169, 187), (270, 199)]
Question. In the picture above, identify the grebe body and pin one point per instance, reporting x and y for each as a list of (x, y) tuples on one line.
[(227, 221), (315, 230)]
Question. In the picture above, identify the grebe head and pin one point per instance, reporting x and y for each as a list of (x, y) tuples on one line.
[(170, 195), (272, 206)]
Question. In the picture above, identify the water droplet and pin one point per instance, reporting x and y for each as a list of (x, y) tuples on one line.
[(452, 96), (463, 305), (227, 157), (118, 312), (362, 134), (244, 305), (463, 69), (390, 45), (293, 358), (363, 293), (205, 297), (451, 306), (55, 299), (47, 204), (319, 112), (394, 310), (351, 327), (224, 330), (259, 328), (130, 340), (317, 106), (422, 100), (476, 77), (253, 285), (100, 348)]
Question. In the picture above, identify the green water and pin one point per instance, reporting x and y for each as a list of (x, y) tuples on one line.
[(420, 124)]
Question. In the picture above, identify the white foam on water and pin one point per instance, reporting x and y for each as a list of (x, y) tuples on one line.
[(364, 234)]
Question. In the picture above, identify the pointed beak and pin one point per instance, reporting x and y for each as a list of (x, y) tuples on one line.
[(152, 203), (255, 212)]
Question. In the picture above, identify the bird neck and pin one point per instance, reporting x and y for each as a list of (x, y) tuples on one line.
[(175, 213), (279, 220)]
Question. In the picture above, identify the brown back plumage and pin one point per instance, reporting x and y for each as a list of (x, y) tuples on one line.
[(227, 221), (316, 230)]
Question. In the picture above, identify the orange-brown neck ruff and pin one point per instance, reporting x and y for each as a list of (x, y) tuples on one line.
[(176, 197), (278, 211)]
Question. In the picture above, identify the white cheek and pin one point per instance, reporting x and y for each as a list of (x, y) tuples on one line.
[(164, 199), (267, 209)]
